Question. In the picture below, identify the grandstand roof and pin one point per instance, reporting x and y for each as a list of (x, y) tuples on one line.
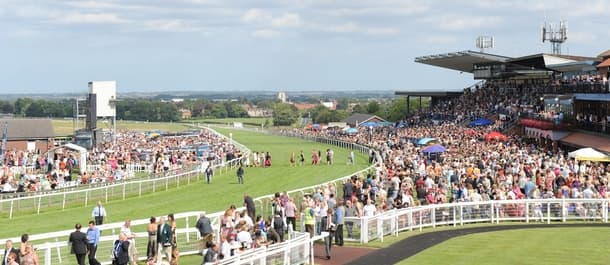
[(28, 129), (461, 61), (579, 66), (429, 93), (464, 61), (543, 60)]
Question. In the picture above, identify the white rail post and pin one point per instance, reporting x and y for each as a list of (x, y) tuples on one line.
[(433, 216), (47, 256), (63, 203), (605, 211), (39, 202), (124, 186), (461, 215), (380, 227), (564, 211), (86, 197), (454, 217), (311, 258), (548, 213), (527, 212), (10, 215), (58, 253), (491, 211)]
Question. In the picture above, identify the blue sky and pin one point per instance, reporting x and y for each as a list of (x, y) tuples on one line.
[(204, 45)]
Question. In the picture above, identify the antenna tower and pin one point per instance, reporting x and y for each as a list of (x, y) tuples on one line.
[(485, 42), (556, 34)]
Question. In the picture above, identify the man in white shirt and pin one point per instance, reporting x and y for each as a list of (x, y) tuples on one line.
[(98, 213), (7, 187), (369, 209), (247, 219), (244, 238)]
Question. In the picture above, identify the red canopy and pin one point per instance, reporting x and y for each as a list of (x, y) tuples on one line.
[(495, 136)]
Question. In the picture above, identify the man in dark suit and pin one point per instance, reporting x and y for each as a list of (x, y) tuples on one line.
[(10, 249), (79, 242), (120, 252), (164, 239), (348, 189), (249, 203)]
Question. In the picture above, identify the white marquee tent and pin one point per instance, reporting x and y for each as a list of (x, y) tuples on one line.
[(82, 158), (588, 154)]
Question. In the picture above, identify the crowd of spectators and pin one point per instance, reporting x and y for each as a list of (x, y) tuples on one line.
[(472, 168), (132, 151)]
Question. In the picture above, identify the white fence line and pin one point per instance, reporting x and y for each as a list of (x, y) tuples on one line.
[(493, 212)]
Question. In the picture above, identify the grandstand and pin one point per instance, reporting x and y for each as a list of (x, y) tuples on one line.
[(564, 98)]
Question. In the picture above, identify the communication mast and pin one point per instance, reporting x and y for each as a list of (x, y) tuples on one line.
[(485, 42), (555, 34)]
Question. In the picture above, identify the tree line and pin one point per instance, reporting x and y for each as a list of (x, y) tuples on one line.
[(169, 111)]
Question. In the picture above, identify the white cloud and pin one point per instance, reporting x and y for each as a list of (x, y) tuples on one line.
[(91, 4), (341, 28), (265, 33), (543, 8), (458, 23), (382, 31), (287, 20), (172, 25), (370, 11), (256, 15), (441, 39), (352, 28), (582, 37), (91, 18)]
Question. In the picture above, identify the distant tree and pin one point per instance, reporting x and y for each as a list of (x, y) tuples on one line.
[(284, 114), (372, 107), (197, 109), (323, 116), (339, 115), (36, 109), (265, 104), (234, 110), (343, 103), (358, 108), (218, 110), (398, 110), (312, 99), (147, 110), (21, 106), (169, 112), (6, 107)]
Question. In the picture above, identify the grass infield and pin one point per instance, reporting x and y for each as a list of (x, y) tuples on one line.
[(581, 245)]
